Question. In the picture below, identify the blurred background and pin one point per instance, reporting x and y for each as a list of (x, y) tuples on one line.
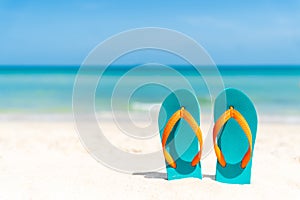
[(255, 45)]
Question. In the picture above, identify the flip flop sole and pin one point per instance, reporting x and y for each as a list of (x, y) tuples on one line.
[(182, 143), (232, 140)]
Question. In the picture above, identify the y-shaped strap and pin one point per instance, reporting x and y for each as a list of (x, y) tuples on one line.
[(182, 113), (232, 113)]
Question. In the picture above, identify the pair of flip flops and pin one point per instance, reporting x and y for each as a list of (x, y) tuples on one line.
[(234, 135)]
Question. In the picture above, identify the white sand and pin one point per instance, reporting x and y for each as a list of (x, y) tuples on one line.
[(45, 160)]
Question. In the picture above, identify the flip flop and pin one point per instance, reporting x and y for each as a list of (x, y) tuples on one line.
[(234, 136), (180, 133)]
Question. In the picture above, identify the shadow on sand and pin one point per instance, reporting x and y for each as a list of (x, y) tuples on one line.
[(162, 175)]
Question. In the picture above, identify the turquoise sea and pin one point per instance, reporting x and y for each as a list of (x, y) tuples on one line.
[(274, 90)]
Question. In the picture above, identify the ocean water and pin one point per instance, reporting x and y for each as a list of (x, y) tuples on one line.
[(275, 91)]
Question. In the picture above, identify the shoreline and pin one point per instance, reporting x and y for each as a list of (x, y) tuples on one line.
[(138, 116)]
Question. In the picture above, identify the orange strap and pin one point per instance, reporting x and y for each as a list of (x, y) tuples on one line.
[(182, 113), (232, 113)]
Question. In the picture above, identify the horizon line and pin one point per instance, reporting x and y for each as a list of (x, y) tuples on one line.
[(127, 66)]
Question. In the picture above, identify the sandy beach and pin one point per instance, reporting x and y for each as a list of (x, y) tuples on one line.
[(44, 159), (85, 87)]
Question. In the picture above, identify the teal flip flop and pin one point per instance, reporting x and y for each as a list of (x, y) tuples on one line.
[(178, 121), (234, 136)]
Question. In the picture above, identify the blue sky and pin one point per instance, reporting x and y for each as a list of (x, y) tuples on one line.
[(233, 32)]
